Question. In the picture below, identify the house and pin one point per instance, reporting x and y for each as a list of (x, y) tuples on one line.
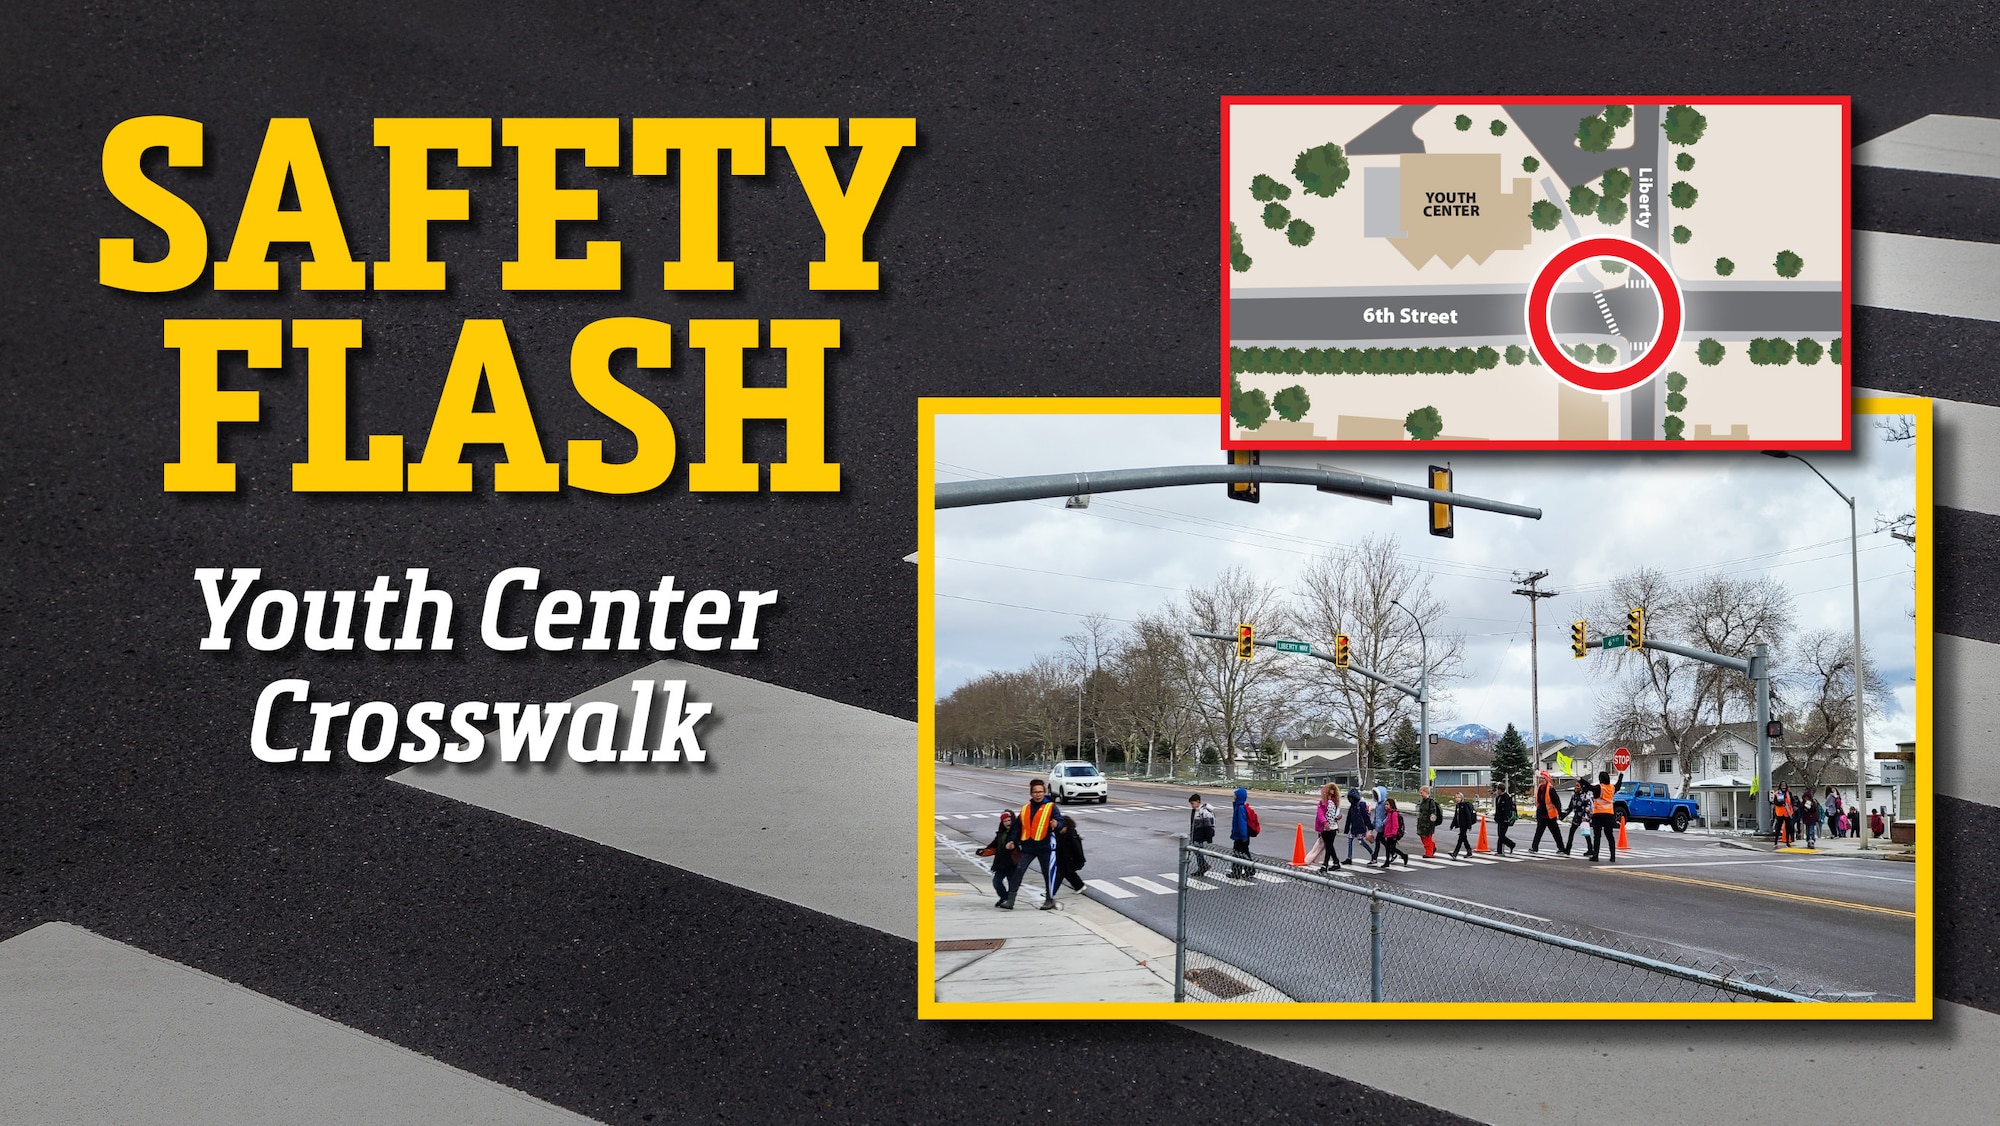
[(1292, 752)]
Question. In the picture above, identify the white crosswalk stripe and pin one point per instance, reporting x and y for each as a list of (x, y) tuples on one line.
[(1144, 884), (1192, 882), (1941, 142), (1111, 889)]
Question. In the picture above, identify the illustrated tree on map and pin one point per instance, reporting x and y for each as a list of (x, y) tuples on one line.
[(1545, 216), (1321, 170), (1238, 261), (1292, 403), (1424, 423), (1788, 264), (1684, 125), (1593, 134)]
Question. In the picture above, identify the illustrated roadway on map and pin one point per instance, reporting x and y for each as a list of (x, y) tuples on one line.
[(1497, 313)]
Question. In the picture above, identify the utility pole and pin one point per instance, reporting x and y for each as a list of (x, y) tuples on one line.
[(1534, 596)]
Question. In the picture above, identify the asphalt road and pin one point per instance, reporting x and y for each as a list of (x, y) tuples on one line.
[(1055, 235), (1844, 924)]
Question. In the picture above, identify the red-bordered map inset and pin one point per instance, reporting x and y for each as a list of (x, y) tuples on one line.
[(1378, 255)]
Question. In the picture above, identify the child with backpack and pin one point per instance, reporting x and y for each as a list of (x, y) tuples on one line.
[(1463, 818), (1392, 831), (1243, 825)]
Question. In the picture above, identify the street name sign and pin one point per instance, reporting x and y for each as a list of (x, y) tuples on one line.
[(1292, 646)]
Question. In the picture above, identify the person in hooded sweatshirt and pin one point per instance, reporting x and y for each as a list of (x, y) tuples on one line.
[(1381, 819), (1358, 825), (1239, 835)]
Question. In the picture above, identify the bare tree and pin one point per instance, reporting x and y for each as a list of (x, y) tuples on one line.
[(1232, 700), (1148, 694), (1667, 700), (1651, 698), (1730, 615), (1355, 593), (1817, 694), (1087, 649)]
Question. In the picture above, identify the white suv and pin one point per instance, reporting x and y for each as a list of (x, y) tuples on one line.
[(1073, 781)]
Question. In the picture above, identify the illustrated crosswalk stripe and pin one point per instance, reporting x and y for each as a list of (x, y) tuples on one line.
[(1144, 884), (1111, 889)]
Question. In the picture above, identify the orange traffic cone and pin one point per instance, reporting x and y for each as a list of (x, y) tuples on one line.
[(1622, 842), (1482, 834), (1299, 847)]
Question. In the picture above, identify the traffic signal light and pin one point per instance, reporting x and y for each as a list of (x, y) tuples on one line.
[(1244, 490), (1246, 641), (1576, 644), (1340, 650), (1441, 513), (1635, 628)]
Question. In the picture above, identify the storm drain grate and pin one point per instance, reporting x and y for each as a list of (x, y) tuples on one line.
[(953, 944), (1221, 984)]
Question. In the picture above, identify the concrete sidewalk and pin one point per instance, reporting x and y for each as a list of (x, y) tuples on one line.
[(1879, 848), (1082, 951)]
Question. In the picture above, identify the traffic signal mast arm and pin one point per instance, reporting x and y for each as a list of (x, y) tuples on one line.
[(1736, 663), (998, 490), (1405, 689)]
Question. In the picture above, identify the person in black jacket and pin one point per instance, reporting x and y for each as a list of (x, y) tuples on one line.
[(1201, 830), (1463, 818), (1359, 825), (1504, 816), (1003, 860), (1069, 855)]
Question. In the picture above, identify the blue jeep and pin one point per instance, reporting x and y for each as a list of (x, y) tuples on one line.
[(1652, 805)]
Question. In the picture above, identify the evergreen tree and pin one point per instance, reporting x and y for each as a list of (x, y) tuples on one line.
[(1405, 747), (1512, 762)]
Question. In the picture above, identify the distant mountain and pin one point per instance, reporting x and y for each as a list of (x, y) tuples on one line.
[(1469, 733)]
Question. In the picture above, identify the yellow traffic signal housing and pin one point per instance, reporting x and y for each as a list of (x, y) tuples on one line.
[(1244, 490), (1635, 628), (1576, 638), (1246, 641), (1441, 513), (1340, 650)]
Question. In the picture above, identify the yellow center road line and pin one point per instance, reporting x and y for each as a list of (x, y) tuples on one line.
[(1762, 891)]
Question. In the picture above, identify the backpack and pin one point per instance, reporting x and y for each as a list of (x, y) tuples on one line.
[(1396, 815), (1250, 817)]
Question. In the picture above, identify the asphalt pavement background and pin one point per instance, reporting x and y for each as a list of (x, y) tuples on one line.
[(1054, 232)]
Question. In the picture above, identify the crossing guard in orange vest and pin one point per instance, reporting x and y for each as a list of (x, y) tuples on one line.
[(1781, 808), (1548, 814), (1034, 839), (1604, 814)]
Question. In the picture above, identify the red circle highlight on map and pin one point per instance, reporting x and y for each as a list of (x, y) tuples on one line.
[(1604, 380)]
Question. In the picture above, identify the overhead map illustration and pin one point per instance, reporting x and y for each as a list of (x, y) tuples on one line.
[(1541, 273)]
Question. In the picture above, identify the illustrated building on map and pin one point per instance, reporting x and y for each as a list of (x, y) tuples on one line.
[(1448, 206)]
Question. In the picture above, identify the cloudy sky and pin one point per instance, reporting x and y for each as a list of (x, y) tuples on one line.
[(1013, 579)]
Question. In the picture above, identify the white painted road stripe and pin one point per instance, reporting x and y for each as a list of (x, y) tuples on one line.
[(1111, 889), (1916, 274), (1144, 884), (1174, 878), (1966, 710), (1961, 146), (737, 816), (95, 1031)]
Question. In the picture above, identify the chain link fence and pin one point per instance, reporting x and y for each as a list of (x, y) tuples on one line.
[(1278, 933)]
